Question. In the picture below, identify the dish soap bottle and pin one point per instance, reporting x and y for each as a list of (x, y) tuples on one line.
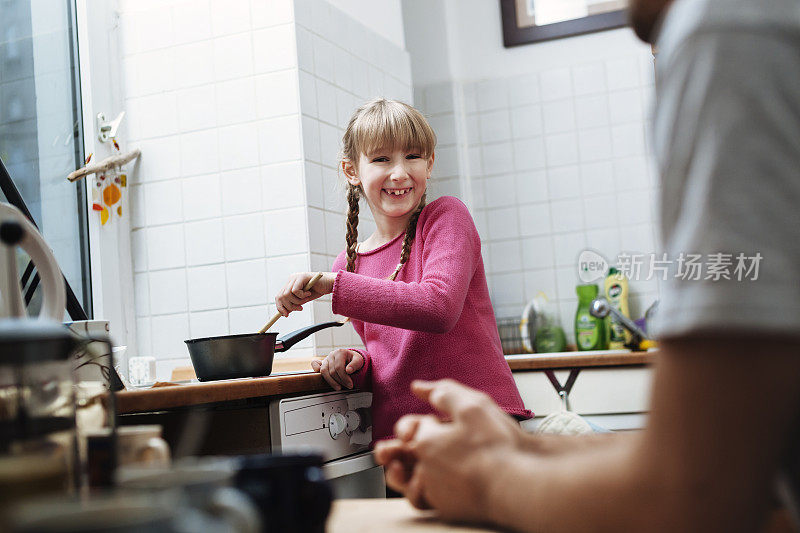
[(550, 337), (590, 331), (539, 328), (616, 292)]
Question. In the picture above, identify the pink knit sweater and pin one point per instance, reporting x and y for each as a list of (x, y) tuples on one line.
[(435, 321)]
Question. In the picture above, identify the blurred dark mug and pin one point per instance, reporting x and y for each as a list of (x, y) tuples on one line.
[(290, 491)]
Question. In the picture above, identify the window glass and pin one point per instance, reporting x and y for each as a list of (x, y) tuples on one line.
[(41, 137)]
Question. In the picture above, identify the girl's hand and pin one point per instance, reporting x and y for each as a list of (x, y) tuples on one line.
[(337, 367), (292, 296)]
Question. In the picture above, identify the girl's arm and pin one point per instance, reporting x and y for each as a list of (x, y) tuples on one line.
[(450, 257)]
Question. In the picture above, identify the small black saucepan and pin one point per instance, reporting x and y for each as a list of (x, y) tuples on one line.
[(243, 356)]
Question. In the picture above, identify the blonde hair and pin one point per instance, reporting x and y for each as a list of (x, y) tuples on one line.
[(377, 125)]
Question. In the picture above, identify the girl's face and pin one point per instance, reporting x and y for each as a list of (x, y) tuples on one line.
[(393, 181)]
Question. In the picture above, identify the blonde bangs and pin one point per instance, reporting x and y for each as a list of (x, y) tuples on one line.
[(385, 124)]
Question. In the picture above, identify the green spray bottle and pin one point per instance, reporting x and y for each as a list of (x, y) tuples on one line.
[(590, 331)]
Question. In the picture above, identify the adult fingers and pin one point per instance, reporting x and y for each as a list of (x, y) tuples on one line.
[(433, 437), (415, 490), (397, 476), (450, 397), (406, 427), (389, 450), (315, 365)]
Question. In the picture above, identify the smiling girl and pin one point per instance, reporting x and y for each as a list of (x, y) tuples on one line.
[(415, 289)]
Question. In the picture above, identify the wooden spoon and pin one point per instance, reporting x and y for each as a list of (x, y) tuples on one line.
[(275, 318)]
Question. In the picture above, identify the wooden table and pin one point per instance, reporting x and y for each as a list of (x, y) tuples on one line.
[(394, 515)]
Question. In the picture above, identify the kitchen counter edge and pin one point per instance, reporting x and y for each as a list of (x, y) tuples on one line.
[(307, 382)]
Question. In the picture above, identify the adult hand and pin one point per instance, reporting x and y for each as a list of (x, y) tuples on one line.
[(447, 465), (337, 367), (292, 296)]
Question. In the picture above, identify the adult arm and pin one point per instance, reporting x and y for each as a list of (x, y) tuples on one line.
[(722, 409), (450, 256)]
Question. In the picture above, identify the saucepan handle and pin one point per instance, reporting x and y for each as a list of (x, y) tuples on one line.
[(290, 339)]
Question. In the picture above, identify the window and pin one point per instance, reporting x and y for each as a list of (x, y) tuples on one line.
[(41, 134)]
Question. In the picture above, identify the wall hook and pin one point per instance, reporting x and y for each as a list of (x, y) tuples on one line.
[(108, 130)]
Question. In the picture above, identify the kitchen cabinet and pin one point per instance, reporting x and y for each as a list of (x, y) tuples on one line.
[(609, 388), (220, 417)]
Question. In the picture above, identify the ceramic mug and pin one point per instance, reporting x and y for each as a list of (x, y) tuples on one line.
[(142, 445), (290, 491), (136, 445)]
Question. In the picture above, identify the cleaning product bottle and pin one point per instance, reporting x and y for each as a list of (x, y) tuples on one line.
[(550, 337), (539, 329), (590, 331), (616, 292)]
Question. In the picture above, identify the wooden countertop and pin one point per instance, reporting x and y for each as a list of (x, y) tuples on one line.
[(305, 381), (589, 359), (394, 515), (197, 393)]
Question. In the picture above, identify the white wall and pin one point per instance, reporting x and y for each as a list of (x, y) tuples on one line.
[(479, 52), (551, 144), (427, 35), (102, 92), (238, 108), (383, 17), (342, 63)]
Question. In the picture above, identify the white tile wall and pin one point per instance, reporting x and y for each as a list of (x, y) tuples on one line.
[(342, 63), (168, 333), (235, 101), (241, 191), (206, 288), (208, 323), (167, 292), (247, 283), (213, 102), (554, 161), (204, 242), (244, 237), (239, 109)]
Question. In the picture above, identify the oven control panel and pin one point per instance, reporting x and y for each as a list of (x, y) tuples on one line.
[(335, 424)]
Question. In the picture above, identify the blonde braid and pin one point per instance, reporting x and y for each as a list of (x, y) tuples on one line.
[(353, 194), (411, 232)]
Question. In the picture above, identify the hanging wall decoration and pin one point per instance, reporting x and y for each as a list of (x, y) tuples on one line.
[(109, 183)]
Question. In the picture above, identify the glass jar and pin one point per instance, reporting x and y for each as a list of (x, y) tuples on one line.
[(37, 404)]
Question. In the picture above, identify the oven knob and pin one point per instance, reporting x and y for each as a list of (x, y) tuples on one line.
[(337, 424), (353, 420)]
